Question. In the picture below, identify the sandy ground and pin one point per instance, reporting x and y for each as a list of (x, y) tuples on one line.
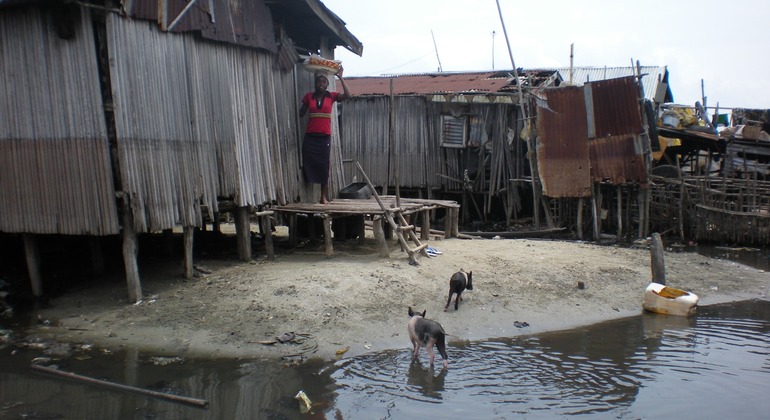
[(356, 302)]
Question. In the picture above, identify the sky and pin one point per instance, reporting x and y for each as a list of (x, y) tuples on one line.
[(716, 49)]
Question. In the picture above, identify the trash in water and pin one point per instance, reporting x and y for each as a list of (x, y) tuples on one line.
[(304, 401)]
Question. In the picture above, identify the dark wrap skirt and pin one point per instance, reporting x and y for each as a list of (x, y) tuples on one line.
[(316, 150)]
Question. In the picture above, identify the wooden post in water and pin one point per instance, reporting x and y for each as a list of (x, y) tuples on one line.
[(656, 260)]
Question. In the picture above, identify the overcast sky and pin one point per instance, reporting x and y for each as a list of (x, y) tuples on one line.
[(724, 43)]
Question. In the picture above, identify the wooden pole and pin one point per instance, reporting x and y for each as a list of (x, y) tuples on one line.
[(32, 253), (379, 237), (97, 255), (581, 203), (327, 221), (267, 232), (657, 263), (112, 385), (130, 251), (189, 232), (243, 233), (595, 211), (620, 212)]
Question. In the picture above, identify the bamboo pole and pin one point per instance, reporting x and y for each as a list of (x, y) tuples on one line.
[(112, 385)]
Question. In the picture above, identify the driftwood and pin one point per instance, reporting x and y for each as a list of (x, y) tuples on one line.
[(154, 394)]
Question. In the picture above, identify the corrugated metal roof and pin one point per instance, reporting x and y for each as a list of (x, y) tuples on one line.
[(582, 75), (242, 22), (249, 22), (489, 82)]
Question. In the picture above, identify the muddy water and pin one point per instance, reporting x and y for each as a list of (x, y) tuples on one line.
[(714, 365)]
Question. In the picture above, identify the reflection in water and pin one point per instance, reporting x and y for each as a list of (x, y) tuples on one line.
[(642, 366), (426, 380), (714, 365)]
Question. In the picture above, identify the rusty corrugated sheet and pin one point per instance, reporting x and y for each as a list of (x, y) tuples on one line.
[(241, 22), (563, 159), (500, 82), (650, 76), (618, 159), (615, 107), (616, 131)]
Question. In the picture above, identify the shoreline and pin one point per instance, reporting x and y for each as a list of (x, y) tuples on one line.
[(358, 301)]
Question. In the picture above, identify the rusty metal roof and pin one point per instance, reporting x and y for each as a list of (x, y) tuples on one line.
[(248, 22), (489, 82)]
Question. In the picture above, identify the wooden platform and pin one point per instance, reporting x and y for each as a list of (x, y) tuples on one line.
[(369, 208)]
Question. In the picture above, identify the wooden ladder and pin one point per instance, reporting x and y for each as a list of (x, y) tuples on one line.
[(401, 227)]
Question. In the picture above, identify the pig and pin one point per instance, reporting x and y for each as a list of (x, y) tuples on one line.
[(457, 284), (426, 332)]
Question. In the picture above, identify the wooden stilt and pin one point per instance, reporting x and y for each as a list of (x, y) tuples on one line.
[(188, 232), (32, 253), (168, 242), (130, 251), (360, 229), (620, 212), (243, 233), (379, 237), (97, 255), (595, 211), (215, 225), (267, 229), (581, 204), (327, 221), (292, 221), (425, 231)]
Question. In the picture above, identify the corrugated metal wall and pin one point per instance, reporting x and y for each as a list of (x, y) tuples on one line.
[(197, 120), (55, 170), (591, 133), (563, 159), (364, 137)]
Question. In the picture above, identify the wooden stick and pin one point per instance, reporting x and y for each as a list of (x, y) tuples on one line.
[(154, 394)]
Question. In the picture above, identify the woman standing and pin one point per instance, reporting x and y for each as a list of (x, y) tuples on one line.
[(316, 146)]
